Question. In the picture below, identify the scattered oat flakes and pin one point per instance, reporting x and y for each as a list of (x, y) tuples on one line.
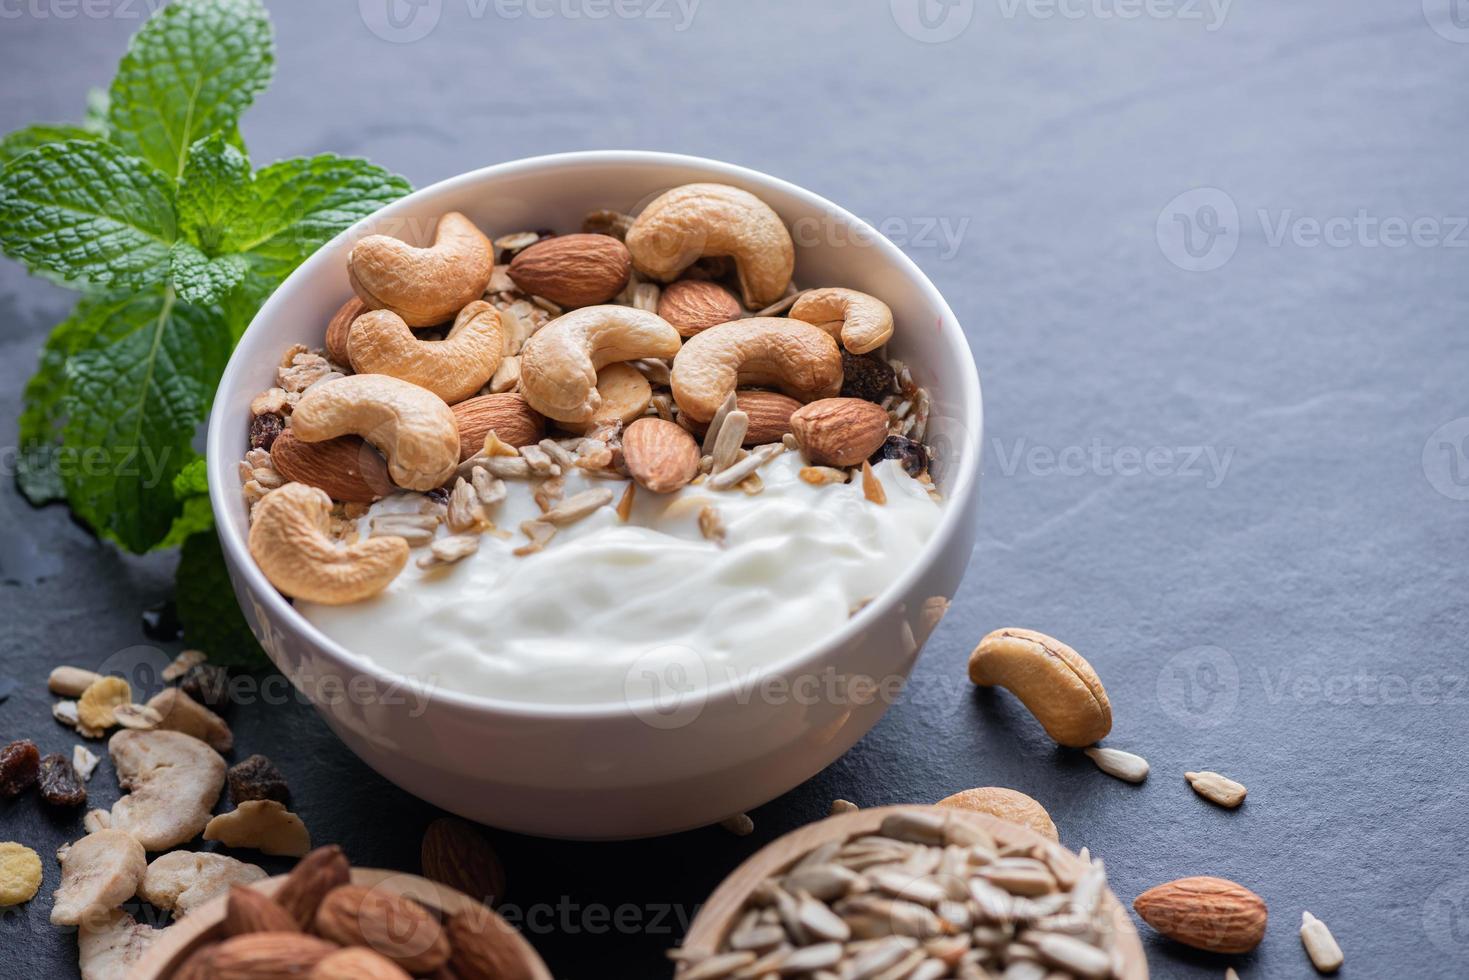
[(138, 716), (84, 761), (96, 707)]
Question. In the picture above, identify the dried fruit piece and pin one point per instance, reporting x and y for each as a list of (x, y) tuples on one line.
[(181, 713), (209, 684), (264, 429), (457, 854), (184, 880), (1321, 946), (262, 824), (20, 873), (174, 780), (1207, 913), (397, 927), (911, 455), (1122, 765), (1007, 804), (59, 782), (1216, 788), (257, 778), (309, 882), (84, 761), (20, 761), (867, 376), (138, 716), (109, 945), (96, 706), (98, 872)]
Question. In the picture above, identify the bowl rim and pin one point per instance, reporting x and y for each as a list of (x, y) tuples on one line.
[(223, 476)]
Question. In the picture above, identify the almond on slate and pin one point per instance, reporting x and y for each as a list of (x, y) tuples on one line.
[(692, 305), (660, 455), (347, 467), (839, 431), (308, 883), (1214, 914), (268, 956), (247, 910), (573, 270), (484, 948), (357, 964), (397, 927), (456, 854), (507, 415)]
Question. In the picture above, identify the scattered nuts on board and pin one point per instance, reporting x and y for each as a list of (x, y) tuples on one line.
[(1321, 946), (1216, 788), (1052, 680), (1122, 765), (1213, 914)]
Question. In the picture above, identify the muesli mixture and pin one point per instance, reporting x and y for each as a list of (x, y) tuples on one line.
[(538, 394)]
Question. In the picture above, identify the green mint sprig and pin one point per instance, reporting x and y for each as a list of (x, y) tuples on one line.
[(152, 210)]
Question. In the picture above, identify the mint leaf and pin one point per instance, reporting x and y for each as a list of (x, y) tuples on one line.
[(195, 66), (305, 202), (95, 120), (207, 608), (86, 211), (38, 466), (191, 490), (216, 194), (200, 279), (192, 480), (23, 141), (134, 400)]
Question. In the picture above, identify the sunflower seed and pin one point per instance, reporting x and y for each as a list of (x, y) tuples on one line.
[(447, 551), (1216, 788), (712, 433), (717, 967), (559, 454), (731, 437), (1321, 946), (1123, 765), (573, 509)]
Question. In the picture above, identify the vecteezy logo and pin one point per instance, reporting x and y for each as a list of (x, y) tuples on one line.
[(400, 21), (932, 21), (1446, 459), (666, 686), (1198, 231), (1199, 688), (1448, 18)]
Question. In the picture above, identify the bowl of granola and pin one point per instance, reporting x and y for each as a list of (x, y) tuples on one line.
[(602, 494)]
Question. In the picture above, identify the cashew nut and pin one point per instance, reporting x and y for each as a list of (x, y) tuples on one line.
[(801, 360), (424, 286), (453, 368), (864, 323), (689, 222), (1051, 679), (559, 364), (412, 427), (625, 396), (290, 541), (1007, 804)]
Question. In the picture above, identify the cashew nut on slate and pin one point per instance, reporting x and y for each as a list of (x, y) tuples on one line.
[(453, 368), (801, 360), (424, 286), (864, 323), (291, 542), (687, 223), (173, 781), (1051, 679), (412, 427), (98, 873), (559, 364)]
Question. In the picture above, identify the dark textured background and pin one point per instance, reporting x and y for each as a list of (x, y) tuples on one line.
[(1291, 614)]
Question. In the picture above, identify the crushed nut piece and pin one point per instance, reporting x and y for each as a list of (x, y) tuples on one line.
[(539, 532), (549, 492), (575, 508), (84, 761), (466, 516), (821, 476), (624, 506), (872, 486), (182, 663), (711, 525), (447, 551)]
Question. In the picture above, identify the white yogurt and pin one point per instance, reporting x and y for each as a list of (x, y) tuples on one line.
[(577, 622)]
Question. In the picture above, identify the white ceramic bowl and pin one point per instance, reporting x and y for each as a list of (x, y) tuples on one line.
[(633, 768)]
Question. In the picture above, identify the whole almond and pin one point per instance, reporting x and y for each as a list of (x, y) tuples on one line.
[(268, 956), (347, 467), (308, 883), (769, 413), (515, 422), (692, 305), (573, 270), (456, 853), (397, 927), (839, 431), (199, 964), (661, 456), (248, 910), (357, 964), (339, 327), (484, 948), (1214, 914)]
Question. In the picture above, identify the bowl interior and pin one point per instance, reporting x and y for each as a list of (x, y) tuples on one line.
[(833, 247)]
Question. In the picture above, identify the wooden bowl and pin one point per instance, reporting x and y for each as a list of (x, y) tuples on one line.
[(202, 925), (722, 910)]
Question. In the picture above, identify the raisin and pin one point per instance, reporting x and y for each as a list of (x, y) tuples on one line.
[(60, 784), (208, 684), (867, 376), (18, 763), (912, 454), (438, 495), (257, 778), (264, 429)]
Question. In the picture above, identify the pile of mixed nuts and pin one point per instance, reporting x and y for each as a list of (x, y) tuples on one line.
[(666, 349)]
